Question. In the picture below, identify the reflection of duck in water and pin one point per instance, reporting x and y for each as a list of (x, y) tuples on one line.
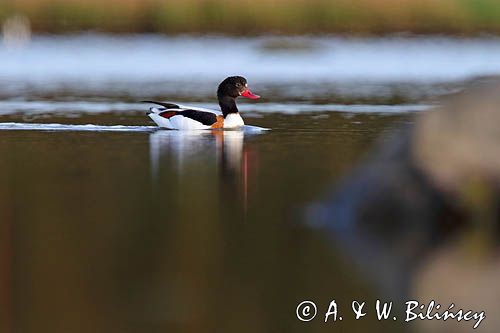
[(225, 149), (230, 150), (174, 116), (223, 154)]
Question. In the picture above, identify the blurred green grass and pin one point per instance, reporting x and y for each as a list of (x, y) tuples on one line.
[(259, 16)]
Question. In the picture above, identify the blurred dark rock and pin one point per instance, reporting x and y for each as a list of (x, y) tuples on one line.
[(446, 166), (425, 205), (457, 147)]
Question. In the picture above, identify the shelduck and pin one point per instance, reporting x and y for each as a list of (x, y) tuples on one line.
[(180, 117)]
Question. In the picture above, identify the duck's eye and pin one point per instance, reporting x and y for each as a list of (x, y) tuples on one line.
[(238, 85)]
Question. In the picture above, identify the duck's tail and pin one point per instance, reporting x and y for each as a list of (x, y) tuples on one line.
[(156, 113)]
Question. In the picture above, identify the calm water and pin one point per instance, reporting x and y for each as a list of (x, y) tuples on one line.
[(111, 225)]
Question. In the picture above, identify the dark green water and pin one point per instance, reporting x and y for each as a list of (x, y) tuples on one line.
[(160, 230), (135, 229)]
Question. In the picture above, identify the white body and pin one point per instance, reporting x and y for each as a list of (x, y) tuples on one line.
[(232, 120)]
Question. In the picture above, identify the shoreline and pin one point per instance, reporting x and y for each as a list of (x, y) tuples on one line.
[(299, 17)]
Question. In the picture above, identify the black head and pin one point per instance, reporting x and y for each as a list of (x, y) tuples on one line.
[(235, 86)]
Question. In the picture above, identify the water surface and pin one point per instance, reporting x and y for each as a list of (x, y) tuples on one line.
[(111, 224)]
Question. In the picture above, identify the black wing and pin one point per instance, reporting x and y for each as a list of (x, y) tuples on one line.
[(164, 104), (206, 118)]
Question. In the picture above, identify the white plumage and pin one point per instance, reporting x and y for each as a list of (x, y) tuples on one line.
[(232, 120)]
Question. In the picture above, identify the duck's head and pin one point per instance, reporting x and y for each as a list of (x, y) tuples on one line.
[(235, 86)]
